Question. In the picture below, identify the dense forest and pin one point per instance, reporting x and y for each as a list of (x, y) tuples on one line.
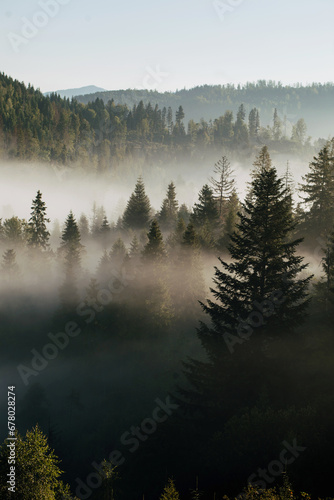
[(100, 136), (177, 352), (312, 102)]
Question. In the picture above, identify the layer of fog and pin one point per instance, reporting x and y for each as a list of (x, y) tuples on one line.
[(66, 189)]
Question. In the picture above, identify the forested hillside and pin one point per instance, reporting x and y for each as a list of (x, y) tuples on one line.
[(100, 135), (314, 103)]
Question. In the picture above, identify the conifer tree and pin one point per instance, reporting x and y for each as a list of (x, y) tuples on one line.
[(84, 227), (205, 211), (105, 231), (224, 185), (137, 212), (9, 266), (258, 295), (232, 209), (328, 267), (71, 250), (170, 492), (253, 123), (38, 235), (37, 468), (184, 213), (117, 254), (134, 247), (318, 192), (154, 249), (189, 237), (169, 209), (104, 268)]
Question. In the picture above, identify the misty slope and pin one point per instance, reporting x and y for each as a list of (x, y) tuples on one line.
[(101, 137), (314, 103)]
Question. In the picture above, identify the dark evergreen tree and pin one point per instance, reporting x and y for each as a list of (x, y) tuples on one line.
[(259, 296), (137, 212), (326, 289), (154, 249), (318, 192), (38, 235), (169, 209), (205, 212), (189, 237), (232, 209), (71, 251)]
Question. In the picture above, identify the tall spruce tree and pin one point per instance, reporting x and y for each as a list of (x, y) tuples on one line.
[(205, 211), (169, 209), (327, 288), (154, 249), (36, 465), (137, 212), (259, 296), (38, 235), (71, 250), (170, 492), (318, 192)]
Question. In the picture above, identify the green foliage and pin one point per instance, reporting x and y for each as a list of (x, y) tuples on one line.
[(169, 209), (137, 212), (37, 470), (263, 262), (98, 134), (318, 191), (205, 212), (154, 249), (38, 235), (170, 492)]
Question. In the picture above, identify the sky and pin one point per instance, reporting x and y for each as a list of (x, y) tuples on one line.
[(155, 44)]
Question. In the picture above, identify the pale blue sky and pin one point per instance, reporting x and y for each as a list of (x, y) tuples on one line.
[(121, 44)]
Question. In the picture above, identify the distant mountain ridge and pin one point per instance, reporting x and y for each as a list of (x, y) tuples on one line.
[(314, 103), (69, 93)]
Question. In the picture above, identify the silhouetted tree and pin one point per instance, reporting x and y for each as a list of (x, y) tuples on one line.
[(38, 235), (137, 212)]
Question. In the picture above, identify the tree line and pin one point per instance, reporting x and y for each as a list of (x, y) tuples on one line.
[(100, 135)]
